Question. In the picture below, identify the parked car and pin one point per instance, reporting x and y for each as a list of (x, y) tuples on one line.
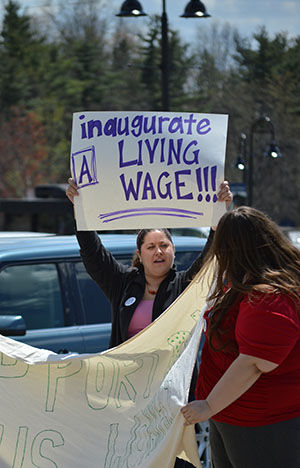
[(48, 300), (198, 232), (294, 236), (13, 234)]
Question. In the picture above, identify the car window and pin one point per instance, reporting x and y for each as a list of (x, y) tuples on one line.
[(32, 291), (183, 260), (125, 259), (94, 304)]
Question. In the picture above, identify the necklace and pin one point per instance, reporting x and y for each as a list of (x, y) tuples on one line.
[(150, 290)]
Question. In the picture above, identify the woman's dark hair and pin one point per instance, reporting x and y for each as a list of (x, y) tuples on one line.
[(140, 240), (250, 249)]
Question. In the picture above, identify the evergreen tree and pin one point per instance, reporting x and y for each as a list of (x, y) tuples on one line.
[(151, 64), (20, 52), (124, 87), (82, 37), (180, 62), (271, 71)]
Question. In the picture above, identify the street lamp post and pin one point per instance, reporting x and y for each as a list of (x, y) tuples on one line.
[(244, 162), (194, 9), (273, 150), (241, 160), (165, 59)]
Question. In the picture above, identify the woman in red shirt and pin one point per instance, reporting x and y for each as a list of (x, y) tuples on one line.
[(249, 380)]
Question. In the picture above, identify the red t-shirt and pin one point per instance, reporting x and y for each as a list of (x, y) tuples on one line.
[(267, 327)]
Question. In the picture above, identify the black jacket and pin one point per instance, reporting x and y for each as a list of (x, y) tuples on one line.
[(124, 287)]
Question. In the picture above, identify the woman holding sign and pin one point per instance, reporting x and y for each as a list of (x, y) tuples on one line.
[(249, 380), (140, 294), (153, 276)]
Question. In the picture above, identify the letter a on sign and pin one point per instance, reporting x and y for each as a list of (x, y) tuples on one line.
[(84, 167)]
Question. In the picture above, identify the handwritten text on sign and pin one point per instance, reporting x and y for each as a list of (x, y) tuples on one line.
[(153, 168)]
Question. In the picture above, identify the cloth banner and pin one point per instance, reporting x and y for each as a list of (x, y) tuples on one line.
[(147, 169), (116, 409)]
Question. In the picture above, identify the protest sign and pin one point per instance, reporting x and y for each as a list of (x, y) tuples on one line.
[(147, 169), (116, 409)]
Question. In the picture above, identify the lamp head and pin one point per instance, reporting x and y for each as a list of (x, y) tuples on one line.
[(195, 9), (273, 151), (131, 8), (240, 164)]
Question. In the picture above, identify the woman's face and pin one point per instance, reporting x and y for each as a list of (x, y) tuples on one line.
[(157, 254)]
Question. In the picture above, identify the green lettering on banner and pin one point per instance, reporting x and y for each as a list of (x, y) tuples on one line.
[(20, 447), (1, 433), (11, 368), (38, 459), (146, 375), (105, 376), (149, 429), (55, 374), (100, 379), (34, 449), (111, 461)]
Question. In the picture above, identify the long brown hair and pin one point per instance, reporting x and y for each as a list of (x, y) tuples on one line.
[(140, 240), (250, 249)]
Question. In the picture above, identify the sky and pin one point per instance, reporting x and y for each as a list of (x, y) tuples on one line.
[(245, 15)]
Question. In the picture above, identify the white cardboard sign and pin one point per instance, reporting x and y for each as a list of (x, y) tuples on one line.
[(147, 169)]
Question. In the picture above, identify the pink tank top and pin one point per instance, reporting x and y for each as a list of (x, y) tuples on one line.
[(141, 318)]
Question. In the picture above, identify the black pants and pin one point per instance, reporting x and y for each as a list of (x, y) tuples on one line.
[(272, 446), (182, 464), (179, 463)]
